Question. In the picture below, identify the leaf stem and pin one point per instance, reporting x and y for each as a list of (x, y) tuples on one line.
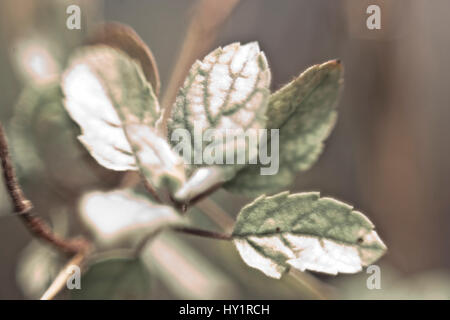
[(203, 233)]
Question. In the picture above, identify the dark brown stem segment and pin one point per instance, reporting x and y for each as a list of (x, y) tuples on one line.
[(23, 207), (203, 233)]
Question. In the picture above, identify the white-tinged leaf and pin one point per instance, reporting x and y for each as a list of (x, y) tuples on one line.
[(200, 181), (304, 112), (227, 90), (305, 232), (122, 215), (155, 157), (108, 96)]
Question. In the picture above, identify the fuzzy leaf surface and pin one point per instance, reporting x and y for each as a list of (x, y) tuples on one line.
[(305, 232), (227, 90)]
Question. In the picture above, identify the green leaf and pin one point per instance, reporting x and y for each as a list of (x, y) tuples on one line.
[(228, 90), (114, 279), (304, 111), (108, 96), (305, 232)]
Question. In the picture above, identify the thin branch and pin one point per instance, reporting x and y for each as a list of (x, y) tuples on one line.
[(21, 204), (41, 230), (61, 279), (188, 230), (203, 233), (23, 207)]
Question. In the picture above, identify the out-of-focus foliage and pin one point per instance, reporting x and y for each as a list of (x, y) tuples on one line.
[(116, 278), (186, 272), (38, 263), (44, 138), (37, 268), (37, 61), (123, 216)]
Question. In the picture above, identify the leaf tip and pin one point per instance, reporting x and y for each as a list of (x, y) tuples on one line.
[(335, 64)]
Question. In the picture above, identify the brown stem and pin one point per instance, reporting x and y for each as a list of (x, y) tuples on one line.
[(23, 207), (203, 233), (188, 230), (41, 230), (205, 194), (21, 204)]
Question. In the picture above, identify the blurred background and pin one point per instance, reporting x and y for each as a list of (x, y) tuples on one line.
[(389, 154)]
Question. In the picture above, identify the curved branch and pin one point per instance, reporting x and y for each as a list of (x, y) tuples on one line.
[(21, 204), (23, 207)]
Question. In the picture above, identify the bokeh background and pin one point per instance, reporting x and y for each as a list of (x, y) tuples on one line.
[(389, 154)]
